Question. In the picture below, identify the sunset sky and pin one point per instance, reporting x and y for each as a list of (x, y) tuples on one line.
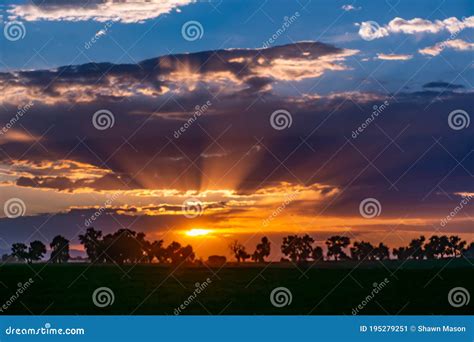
[(278, 94)]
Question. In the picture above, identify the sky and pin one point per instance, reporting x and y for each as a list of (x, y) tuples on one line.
[(209, 121)]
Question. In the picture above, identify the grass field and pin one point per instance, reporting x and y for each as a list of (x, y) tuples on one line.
[(414, 288)]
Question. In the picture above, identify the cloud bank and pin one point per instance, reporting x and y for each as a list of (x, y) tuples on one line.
[(370, 30), (124, 11)]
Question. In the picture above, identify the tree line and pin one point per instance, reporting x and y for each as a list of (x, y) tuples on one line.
[(300, 249), (128, 246), (36, 250)]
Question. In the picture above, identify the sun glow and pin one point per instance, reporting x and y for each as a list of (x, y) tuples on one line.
[(198, 232)]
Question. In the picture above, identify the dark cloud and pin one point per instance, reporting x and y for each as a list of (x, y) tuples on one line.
[(408, 156), (443, 85), (249, 70)]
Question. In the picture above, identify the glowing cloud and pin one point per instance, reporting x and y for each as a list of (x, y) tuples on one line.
[(125, 11), (370, 30), (393, 57), (455, 44)]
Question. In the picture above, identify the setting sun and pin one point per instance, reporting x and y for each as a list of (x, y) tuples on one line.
[(197, 232)]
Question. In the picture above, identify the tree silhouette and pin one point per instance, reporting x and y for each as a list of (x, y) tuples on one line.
[(177, 254), (468, 252), (362, 251), (20, 251), (402, 253), (415, 248), (36, 251), (147, 247), (317, 254), (456, 245), (172, 251), (298, 249), (158, 251), (91, 241), (381, 252), (123, 246), (336, 244), (186, 254), (59, 249), (239, 251), (262, 250), (437, 247)]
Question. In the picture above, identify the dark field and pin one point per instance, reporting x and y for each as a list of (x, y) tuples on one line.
[(414, 288)]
